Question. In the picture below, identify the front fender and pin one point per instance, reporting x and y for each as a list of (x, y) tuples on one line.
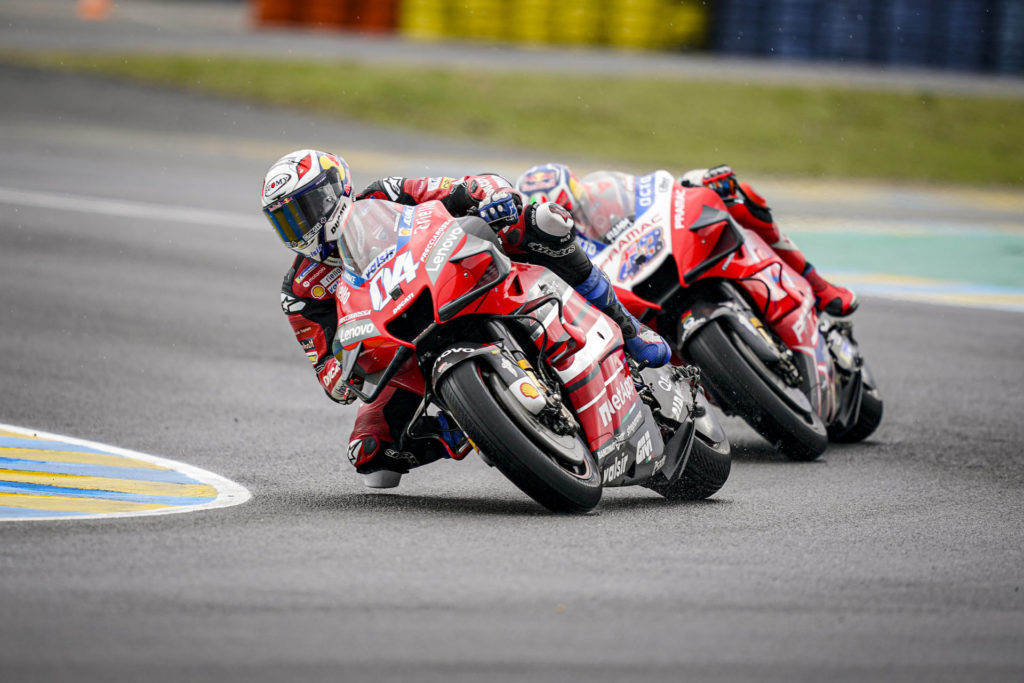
[(514, 377), (729, 307)]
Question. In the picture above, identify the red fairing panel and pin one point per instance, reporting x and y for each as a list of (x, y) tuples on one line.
[(598, 381)]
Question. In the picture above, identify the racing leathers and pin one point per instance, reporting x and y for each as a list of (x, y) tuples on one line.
[(535, 237)]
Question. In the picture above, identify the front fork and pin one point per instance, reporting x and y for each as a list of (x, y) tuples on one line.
[(555, 414)]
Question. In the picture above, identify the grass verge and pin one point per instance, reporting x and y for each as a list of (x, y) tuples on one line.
[(814, 132)]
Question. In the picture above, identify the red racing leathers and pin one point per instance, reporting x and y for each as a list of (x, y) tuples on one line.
[(751, 211)]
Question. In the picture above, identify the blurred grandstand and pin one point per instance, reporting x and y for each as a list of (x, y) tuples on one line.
[(964, 35)]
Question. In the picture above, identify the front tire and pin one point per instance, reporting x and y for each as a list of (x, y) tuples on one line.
[(727, 369), (502, 430)]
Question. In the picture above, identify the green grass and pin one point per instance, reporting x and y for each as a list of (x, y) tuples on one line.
[(794, 131)]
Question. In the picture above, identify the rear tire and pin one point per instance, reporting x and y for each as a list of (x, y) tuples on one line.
[(867, 421), (727, 371), (704, 475), (508, 440)]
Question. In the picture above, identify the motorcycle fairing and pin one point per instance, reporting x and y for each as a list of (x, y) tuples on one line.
[(443, 259), (597, 381), (637, 251)]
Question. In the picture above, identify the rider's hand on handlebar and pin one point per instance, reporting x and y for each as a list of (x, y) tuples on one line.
[(501, 209), (459, 201), (721, 179)]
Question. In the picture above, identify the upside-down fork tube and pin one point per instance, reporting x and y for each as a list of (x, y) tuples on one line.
[(520, 385)]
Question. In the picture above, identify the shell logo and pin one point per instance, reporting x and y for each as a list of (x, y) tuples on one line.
[(529, 391), (318, 292)]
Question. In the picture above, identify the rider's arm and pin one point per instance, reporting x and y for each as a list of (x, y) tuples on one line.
[(459, 195), (314, 322), (745, 205)]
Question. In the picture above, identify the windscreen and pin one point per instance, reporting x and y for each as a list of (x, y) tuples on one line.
[(369, 229), (607, 200)]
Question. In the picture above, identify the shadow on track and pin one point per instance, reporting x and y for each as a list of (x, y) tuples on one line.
[(391, 503)]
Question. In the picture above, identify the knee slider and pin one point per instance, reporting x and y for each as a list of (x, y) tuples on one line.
[(362, 451)]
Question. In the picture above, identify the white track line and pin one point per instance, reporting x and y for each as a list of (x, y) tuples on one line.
[(129, 209)]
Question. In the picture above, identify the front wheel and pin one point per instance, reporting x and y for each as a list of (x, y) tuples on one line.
[(744, 384), (519, 445)]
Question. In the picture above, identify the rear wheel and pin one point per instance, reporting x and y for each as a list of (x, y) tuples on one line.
[(868, 419), (557, 471), (705, 472), (744, 384)]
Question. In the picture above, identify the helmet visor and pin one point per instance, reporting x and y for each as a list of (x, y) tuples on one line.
[(307, 210)]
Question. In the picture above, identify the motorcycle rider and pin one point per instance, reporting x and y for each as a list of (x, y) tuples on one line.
[(557, 183), (305, 196)]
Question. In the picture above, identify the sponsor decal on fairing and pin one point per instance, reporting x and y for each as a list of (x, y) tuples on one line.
[(619, 396), (644, 194), (356, 315), (355, 331), (616, 469), (442, 248), (381, 259)]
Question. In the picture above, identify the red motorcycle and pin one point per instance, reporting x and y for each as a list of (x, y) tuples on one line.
[(533, 374), (728, 304)]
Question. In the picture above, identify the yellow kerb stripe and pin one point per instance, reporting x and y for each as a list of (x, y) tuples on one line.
[(83, 458), (60, 504), (19, 435), (75, 481)]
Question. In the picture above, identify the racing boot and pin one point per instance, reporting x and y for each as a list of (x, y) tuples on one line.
[(382, 464), (642, 343), (453, 437), (832, 299)]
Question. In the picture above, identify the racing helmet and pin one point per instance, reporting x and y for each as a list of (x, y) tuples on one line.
[(305, 194), (553, 183)]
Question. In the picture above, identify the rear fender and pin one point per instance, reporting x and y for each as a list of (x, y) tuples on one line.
[(514, 377)]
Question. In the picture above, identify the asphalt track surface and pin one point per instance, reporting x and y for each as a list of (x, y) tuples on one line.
[(138, 294)]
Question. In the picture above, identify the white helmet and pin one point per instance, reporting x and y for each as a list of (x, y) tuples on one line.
[(305, 195), (553, 183)]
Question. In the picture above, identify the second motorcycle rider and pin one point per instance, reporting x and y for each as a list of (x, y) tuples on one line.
[(305, 196)]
